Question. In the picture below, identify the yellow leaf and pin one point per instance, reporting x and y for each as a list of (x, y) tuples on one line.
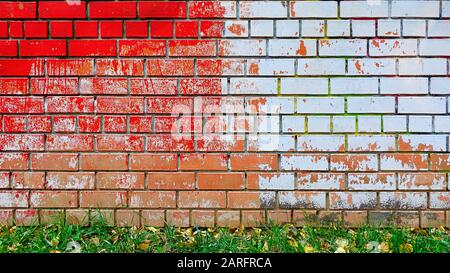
[(95, 240), (293, 243), (308, 249), (143, 246), (384, 247), (406, 248)]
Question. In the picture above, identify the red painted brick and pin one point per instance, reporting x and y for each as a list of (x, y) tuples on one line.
[(8, 48), (28, 180), (161, 29), (141, 48), (140, 124), (116, 105), (208, 9), (201, 87), (115, 124), (17, 10), (136, 29), (117, 143), (73, 67), (85, 48), (71, 143), (62, 9), (89, 124), (111, 29), (15, 142), (70, 104), (61, 29), (39, 124), (164, 67), (169, 105), (86, 29), (113, 67), (36, 29), (211, 29), (186, 29), (54, 86), (170, 142), (192, 48), (3, 29), (31, 48), (18, 105), (108, 9), (153, 86), (13, 86), (103, 86), (14, 124), (20, 67), (64, 124), (159, 9)]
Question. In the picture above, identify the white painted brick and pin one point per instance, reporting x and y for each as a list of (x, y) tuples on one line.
[(270, 67), (363, 28), (404, 85), (320, 67), (414, 28), (235, 28), (253, 86), (394, 124), (304, 162), (369, 124), (313, 28), (293, 124), (328, 105), (393, 47), (268, 124), (319, 181), (442, 124), (344, 124), (281, 181), (440, 86), (366, 162), (371, 142), (319, 143), (439, 200), (242, 47), (422, 105), (370, 181), (263, 9), (319, 124), (389, 28), (378, 66), (261, 28), (403, 200), (446, 9), (271, 143), (422, 66), (314, 9), (434, 143), (288, 28), (285, 47), (371, 105), (272, 105), (354, 86), (389, 163), (420, 124), (304, 86), (296, 199), (338, 28), (434, 47), (410, 8), (364, 9), (343, 47), (439, 28), (412, 181), (353, 200)]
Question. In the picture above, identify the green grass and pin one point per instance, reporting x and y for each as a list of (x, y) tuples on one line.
[(102, 238)]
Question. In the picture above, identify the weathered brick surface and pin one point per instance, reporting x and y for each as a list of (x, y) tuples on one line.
[(225, 112)]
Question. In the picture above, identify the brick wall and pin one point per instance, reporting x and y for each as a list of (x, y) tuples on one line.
[(225, 112)]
